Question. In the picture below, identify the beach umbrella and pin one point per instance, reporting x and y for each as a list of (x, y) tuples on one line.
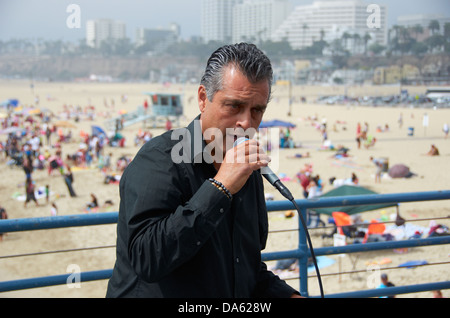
[(347, 190), (11, 102), (399, 171), (276, 123), (18, 110), (31, 111), (97, 131), (64, 124)]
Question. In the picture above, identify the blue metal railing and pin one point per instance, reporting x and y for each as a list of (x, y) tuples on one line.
[(302, 253)]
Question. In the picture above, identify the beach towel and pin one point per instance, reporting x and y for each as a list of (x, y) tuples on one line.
[(346, 162), (413, 264)]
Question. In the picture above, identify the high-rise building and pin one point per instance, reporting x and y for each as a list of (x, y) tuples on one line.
[(424, 21), (159, 38), (101, 30), (256, 20), (216, 20), (330, 19)]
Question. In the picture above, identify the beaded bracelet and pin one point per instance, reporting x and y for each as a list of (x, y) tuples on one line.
[(221, 187)]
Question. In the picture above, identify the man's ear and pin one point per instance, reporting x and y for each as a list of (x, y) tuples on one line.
[(202, 98)]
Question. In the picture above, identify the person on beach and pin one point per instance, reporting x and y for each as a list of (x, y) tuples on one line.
[(370, 141), (27, 167), (47, 193), (196, 227), (400, 120), (94, 202), (68, 179), (29, 189), (54, 209), (358, 135), (434, 151), (445, 129), (385, 283), (379, 169), (3, 216)]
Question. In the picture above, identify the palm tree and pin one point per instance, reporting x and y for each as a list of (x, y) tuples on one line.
[(447, 37), (304, 28), (405, 39), (345, 37), (367, 37), (417, 29), (322, 34), (447, 30), (356, 38), (434, 26)]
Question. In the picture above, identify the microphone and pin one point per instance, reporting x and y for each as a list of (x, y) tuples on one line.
[(270, 176)]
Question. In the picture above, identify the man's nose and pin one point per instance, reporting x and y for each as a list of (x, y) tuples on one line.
[(244, 119)]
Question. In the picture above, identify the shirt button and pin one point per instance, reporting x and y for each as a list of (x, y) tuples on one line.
[(221, 210), (198, 243), (237, 259)]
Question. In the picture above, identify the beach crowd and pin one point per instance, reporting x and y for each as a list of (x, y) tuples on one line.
[(35, 141)]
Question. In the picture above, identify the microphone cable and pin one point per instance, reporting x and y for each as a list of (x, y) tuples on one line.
[(287, 194), (310, 247)]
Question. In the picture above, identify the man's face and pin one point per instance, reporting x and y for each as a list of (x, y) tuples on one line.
[(239, 105)]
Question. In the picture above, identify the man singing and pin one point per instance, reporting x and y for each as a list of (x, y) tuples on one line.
[(196, 227)]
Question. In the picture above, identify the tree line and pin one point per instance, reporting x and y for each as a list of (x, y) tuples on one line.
[(402, 41)]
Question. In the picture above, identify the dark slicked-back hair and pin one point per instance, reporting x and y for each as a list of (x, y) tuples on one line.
[(250, 60)]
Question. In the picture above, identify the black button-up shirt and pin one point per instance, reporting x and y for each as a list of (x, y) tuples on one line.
[(179, 236)]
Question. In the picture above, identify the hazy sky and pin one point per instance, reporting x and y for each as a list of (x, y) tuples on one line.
[(47, 18)]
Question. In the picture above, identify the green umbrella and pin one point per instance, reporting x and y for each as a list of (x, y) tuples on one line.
[(346, 190)]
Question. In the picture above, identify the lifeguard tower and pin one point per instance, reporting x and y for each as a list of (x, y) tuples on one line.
[(164, 106)]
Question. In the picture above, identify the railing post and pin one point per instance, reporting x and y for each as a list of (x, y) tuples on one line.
[(303, 258)]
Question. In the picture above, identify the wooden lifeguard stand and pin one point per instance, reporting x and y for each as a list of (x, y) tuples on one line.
[(166, 106)]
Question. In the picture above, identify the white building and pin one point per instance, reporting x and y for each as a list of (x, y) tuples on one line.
[(329, 19), (161, 37), (101, 30), (257, 20), (423, 20), (216, 20)]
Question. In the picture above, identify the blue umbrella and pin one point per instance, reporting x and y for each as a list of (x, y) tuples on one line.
[(276, 123), (11, 102), (97, 131)]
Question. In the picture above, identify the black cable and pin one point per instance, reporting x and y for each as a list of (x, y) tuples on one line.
[(310, 247), (288, 195)]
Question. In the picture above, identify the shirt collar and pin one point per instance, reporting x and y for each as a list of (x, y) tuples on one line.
[(197, 142)]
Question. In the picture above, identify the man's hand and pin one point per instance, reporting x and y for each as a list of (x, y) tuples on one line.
[(239, 163)]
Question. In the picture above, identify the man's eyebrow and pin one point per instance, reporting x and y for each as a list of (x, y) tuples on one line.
[(234, 102), (261, 107), (241, 103)]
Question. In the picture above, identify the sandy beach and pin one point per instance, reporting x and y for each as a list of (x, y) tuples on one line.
[(394, 144)]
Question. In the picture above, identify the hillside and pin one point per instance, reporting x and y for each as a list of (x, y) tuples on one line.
[(177, 69), (70, 67)]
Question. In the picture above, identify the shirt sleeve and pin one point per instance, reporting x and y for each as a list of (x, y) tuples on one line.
[(269, 285), (165, 227)]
